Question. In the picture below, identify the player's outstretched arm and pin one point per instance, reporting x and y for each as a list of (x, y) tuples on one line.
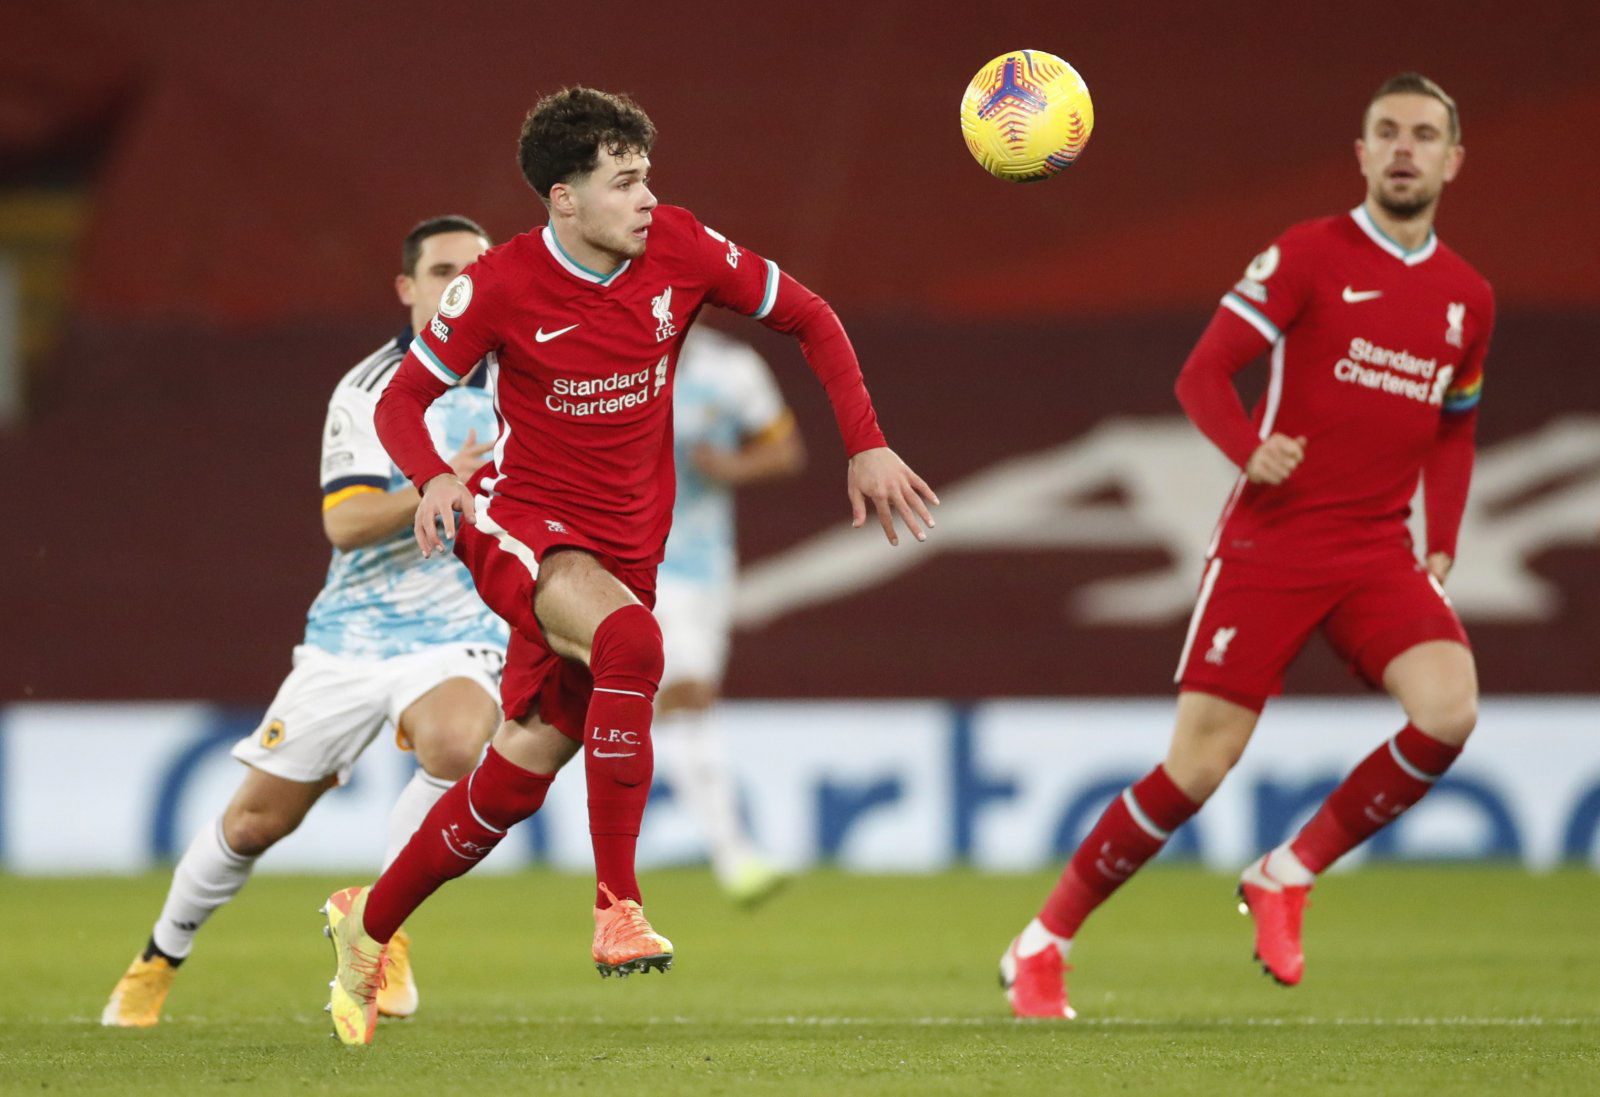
[(876, 472), (879, 476)]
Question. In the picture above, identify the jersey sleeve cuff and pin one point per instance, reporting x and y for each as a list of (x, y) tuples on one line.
[(332, 497), (420, 481)]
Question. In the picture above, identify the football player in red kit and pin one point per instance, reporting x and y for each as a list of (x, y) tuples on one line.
[(582, 321), (1377, 334)]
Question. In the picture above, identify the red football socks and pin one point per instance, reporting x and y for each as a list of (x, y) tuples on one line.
[(626, 662), (457, 833), (1132, 830), (1385, 784)]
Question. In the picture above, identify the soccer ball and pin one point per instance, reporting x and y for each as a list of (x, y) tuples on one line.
[(1026, 115)]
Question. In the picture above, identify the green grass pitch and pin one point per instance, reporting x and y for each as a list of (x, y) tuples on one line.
[(1420, 980)]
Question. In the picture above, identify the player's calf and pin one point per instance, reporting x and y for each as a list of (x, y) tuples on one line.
[(458, 832), (619, 757)]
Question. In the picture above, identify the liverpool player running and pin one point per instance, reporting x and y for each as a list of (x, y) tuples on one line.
[(1377, 335), (563, 532)]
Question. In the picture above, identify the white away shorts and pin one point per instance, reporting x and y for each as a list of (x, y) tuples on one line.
[(331, 706)]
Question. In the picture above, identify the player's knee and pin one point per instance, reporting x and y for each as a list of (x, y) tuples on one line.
[(627, 645), (450, 752), (251, 831), (1200, 774), (1204, 751), (1449, 718)]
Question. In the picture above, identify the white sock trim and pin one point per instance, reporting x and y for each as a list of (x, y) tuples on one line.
[(1035, 938), (1405, 763), (228, 851), (627, 692), (481, 822), (1146, 824), (1282, 865)]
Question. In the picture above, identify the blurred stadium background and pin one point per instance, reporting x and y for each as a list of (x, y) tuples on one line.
[(200, 212)]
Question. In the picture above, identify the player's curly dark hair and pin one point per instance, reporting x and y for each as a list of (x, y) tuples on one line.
[(563, 134)]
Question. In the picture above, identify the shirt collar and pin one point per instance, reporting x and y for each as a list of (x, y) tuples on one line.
[(572, 266), (1421, 254)]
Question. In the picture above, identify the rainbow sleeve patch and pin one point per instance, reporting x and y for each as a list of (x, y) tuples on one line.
[(1459, 398)]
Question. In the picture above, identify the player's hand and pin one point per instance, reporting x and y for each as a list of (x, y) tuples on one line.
[(1439, 564), (879, 475), (442, 497), (1275, 459), (470, 457)]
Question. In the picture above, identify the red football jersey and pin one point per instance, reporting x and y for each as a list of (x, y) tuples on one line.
[(1374, 352), (584, 364)]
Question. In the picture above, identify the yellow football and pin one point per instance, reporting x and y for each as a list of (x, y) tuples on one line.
[(1026, 116)]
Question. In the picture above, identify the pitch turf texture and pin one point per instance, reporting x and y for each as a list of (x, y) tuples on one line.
[(1433, 980)]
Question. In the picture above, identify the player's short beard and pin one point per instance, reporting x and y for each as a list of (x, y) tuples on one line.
[(1406, 209)]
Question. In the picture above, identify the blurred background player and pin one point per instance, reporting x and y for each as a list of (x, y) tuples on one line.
[(730, 428), (586, 317), (1378, 334), (393, 638)]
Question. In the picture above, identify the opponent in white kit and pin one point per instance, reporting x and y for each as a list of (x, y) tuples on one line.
[(731, 428), (393, 639)]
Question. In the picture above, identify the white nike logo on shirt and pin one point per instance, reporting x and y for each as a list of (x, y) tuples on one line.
[(1352, 297), (543, 336), (598, 753)]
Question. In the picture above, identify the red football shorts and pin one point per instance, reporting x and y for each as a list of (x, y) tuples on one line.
[(1252, 618), (502, 551)]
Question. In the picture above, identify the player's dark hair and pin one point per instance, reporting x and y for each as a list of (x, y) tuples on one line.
[(411, 250), (1414, 83), (563, 134)]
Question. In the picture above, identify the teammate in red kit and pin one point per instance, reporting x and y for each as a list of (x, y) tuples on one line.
[(563, 531), (1377, 334)]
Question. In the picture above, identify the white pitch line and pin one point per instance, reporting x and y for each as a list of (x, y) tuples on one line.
[(949, 1022)]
